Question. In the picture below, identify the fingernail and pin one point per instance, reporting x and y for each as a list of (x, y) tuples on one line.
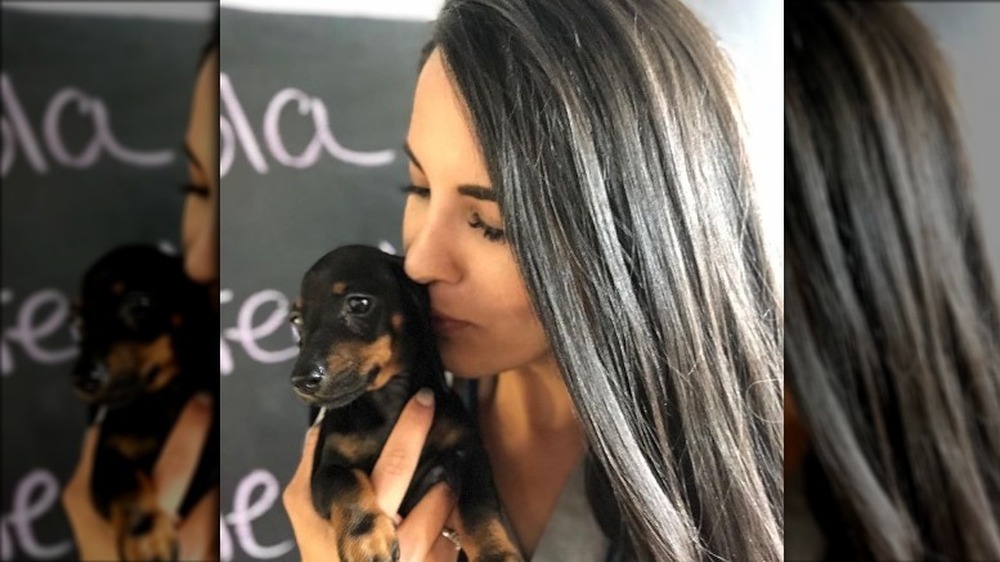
[(103, 411), (319, 416), (203, 399), (425, 397)]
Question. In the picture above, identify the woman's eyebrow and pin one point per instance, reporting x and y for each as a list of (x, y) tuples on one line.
[(192, 158), (478, 192)]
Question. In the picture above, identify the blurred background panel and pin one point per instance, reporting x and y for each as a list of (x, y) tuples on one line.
[(967, 33), (96, 100), (315, 101)]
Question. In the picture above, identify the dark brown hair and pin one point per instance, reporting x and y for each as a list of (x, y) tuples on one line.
[(893, 348)]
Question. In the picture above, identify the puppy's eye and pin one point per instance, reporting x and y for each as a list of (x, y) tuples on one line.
[(296, 322), (139, 311), (358, 304)]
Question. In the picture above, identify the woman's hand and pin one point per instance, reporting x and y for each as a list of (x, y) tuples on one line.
[(420, 533), (197, 534)]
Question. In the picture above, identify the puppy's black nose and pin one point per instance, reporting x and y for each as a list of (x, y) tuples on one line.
[(308, 381)]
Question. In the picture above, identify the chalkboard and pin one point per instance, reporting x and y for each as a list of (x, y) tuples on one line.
[(314, 110), (94, 112)]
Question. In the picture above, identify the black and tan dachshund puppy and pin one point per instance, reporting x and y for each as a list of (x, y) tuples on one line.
[(366, 347), (146, 345)]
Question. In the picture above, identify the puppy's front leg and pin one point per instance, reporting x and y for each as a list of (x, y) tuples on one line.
[(345, 497), (484, 536), (144, 531)]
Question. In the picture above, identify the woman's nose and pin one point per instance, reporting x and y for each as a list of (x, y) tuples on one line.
[(430, 255)]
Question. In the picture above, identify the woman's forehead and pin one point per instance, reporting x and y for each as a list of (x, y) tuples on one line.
[(441, 137)]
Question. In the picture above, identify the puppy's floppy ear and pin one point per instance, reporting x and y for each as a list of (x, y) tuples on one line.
[(415, 297)]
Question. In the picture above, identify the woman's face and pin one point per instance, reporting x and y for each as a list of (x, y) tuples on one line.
[(199, 226), (452, 233)]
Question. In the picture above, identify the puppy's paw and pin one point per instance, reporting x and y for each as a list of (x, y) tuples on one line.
[(365, 536), (148, 536)]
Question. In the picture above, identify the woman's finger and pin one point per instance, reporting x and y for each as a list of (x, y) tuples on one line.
[(422, 527), (297, 492), (443, 551), (198, 534), (395, 465), (179, 458), (85, 466)]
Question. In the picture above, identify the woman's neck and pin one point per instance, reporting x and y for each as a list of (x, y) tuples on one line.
[(534, 441), (532, 402)]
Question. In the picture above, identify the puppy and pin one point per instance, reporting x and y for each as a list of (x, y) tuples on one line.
[(366, 347), (146, 345)]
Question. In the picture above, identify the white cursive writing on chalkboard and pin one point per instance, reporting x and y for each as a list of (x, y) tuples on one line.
[(235, 130), (18, 132), (34, 496), (40, 316), (245, 512), (249, 335)]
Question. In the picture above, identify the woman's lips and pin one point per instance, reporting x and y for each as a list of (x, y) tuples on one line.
[(446, 325)]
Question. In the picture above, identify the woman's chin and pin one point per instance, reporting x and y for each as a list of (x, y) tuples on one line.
[(465, 367)]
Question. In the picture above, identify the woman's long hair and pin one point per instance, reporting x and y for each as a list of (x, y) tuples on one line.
[(894, 347), (612, 137)]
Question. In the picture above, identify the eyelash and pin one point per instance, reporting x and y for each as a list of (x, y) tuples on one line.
[(490, 233), (192, 189)]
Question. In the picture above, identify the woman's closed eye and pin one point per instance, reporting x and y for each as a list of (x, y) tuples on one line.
[(491, 233), (421, 192)]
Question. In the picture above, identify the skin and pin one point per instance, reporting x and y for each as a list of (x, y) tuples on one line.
[(198, 533), (200, 223), (529, 427)]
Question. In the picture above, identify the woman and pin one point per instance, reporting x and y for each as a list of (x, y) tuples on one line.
[(894, 354), (198, 533), (581, 212)]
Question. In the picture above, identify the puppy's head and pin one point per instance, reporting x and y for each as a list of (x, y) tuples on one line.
[(128, 308), (354, 307)]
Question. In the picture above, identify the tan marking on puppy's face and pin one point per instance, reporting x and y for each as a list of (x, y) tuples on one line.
[(127, 359), (339, 288), (362, 358), (117, 288), (159, 353), (379, 354), (132, 447), (121, 360)]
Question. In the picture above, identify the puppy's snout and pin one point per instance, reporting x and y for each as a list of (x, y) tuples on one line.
[(308, 380)]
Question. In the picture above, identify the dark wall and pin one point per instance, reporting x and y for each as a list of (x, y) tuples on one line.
[(73, 187), (314, 114)]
